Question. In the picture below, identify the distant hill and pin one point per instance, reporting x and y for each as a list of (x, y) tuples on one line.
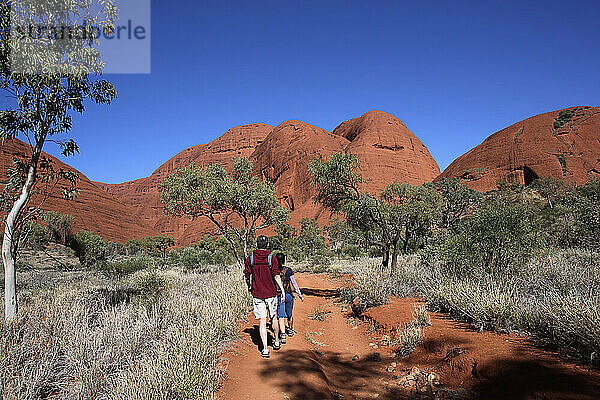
[(94, 209), (386, 148), (564, 144)]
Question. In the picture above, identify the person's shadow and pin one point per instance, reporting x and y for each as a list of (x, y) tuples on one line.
[(254, 334)]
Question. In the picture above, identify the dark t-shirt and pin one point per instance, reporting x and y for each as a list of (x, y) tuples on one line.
[(286, 277)]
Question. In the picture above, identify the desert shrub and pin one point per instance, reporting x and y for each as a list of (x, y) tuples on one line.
[(157, 246), (115, 249), (89, 247), (59, 226), (133, 247), (409, 339), (309, 244), (205, 253), (35, 235), (149, 287), (127, 266), (421, 316), (320, 313), (553, 297), (499, 238)]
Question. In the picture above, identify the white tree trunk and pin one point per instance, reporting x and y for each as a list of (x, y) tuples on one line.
[(8, 259)]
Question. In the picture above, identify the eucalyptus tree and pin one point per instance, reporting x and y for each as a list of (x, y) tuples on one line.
[(238, 204), (49, 70)]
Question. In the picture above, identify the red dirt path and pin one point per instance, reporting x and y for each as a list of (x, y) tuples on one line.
[(482, 366)]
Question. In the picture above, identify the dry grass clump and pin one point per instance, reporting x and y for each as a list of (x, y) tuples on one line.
[(413, 334), (319, 314), (156, 335)]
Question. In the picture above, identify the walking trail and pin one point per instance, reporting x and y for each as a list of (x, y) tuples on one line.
[(343, 357)]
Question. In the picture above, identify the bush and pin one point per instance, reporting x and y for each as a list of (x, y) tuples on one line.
[(157, 246), (89, 247), (73, 342), (207, 252), (128, 266), (59, 226), (115, 249), (133, 247), (36, 236), (499, 238), (553, 297)]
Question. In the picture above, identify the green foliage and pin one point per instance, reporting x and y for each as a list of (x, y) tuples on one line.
[(149, 287), (36, 236), (59, 226), (457, 201), (127, 267), (157, 246), (133, 247), (410, 212), (345, 239), (207, 252), (337, 180), (498, 238), (563, 118), (571, 216), (238, 203), (89, 247), (309, 245)]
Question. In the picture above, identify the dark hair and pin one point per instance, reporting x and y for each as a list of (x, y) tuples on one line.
[(262, 242), (280, 258)]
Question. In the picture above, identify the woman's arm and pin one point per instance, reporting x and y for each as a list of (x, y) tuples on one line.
[(296, 288)]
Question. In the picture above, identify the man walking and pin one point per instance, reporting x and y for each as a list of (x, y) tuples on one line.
[(262, 271)]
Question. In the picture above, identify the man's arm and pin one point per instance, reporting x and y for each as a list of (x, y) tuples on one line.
[(276, 274), (248, 273)]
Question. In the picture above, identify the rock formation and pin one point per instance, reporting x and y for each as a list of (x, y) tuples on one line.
[(387, 151), (564, 144), (94, 209), (283, 159), (144, 194)]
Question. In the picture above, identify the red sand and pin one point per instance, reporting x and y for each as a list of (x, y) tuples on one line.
[(481, 365)]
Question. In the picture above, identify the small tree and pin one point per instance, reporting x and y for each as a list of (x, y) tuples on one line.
[(157, 246), (238, 203), (458, 201), (338, 182), (48, 79), (409, 211)]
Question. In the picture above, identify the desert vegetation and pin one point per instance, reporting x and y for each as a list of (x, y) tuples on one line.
[(520, 258), (154, 333)]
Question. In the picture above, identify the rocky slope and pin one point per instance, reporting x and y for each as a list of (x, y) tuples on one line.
[(94, 209), (144, 195), (564, 144), (387, 151)]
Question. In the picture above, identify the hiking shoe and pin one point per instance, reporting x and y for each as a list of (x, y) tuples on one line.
[(282, 338), (265, 353), (290, 332), (276, 345)]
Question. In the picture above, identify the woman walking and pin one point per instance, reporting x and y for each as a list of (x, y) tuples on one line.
[(284, 309)]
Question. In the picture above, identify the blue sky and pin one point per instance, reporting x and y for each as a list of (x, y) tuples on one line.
[(453, 72)]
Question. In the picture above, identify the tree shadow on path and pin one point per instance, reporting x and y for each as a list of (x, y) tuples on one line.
[(307, 375)]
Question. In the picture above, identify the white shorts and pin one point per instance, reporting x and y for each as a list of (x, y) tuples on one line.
[(261, 306)]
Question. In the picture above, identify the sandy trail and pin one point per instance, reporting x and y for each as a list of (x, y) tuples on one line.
[(336, 359)]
